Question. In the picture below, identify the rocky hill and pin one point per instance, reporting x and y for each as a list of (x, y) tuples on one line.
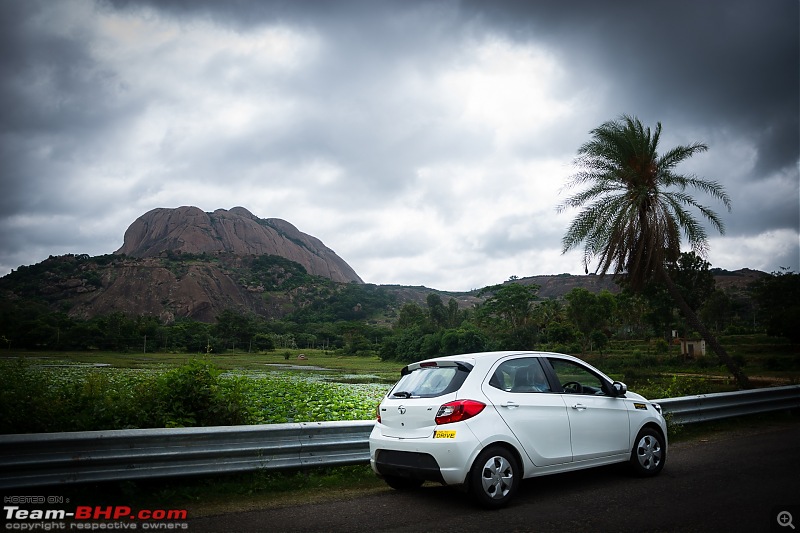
[(186, 263), (200, 286), (560, 284), (238, 232)]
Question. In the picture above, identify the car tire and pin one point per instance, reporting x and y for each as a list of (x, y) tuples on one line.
[(494, 477), (649, 453), (403, 483)]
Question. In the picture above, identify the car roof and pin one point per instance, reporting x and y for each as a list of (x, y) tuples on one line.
[(483, 357), (466, 357)]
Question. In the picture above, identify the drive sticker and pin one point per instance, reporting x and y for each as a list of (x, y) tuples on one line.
[(640, 406), (444, 434)]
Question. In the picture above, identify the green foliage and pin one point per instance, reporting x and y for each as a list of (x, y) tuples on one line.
[(438, 329), (692, 274), (44, 399), (634, 205), (35, 399), (466, 339), (591, 313), (631, 317), (508, 315), (717, 310), (190, 396), (673, 387), (560, 333), (510, 304), (778, 297), (411, 315), (695, 282), (263, 342), (274, 273), (599, 340), (345, 302), (661, 346)]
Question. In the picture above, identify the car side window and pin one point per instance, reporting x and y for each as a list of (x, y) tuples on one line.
[(576, 379), (520, 375)]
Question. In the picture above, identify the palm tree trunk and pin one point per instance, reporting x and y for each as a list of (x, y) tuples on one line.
[(694, 321)]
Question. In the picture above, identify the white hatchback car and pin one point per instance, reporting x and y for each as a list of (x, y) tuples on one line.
[(487, 420)]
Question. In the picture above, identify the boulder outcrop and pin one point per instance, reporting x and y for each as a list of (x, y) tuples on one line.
[(190, 230)]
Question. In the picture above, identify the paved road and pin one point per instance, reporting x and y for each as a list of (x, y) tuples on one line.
[(726, 482)]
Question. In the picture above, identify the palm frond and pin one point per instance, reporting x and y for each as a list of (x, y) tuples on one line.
[(634, 206)]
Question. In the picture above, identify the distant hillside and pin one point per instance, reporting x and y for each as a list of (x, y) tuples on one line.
[(185, 263), (237, 232), (200, 286), (559, 285)]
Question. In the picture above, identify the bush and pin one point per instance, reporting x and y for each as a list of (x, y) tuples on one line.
[(35, 399), (673, 387), (190, 396), (660, 346)]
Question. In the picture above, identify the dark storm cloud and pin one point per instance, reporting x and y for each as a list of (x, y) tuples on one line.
[(368, 47), (361, 123), (56, 103), (720, 64)]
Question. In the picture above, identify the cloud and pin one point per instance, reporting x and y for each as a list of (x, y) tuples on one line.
[(426, 142)]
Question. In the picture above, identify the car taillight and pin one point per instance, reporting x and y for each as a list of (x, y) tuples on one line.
[(378, 413), (458, 410)]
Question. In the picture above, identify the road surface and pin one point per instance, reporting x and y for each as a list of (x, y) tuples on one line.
[(725, 482)]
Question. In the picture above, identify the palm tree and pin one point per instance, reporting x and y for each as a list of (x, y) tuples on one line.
[(634, 208)]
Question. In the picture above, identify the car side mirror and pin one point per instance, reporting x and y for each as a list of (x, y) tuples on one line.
[(619, 388)]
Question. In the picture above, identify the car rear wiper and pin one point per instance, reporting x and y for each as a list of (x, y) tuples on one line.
[(402, 394)]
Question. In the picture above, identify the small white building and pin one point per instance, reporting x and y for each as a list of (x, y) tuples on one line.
[(693, 347)]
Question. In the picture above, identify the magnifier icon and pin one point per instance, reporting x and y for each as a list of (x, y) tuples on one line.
[(785, 519)]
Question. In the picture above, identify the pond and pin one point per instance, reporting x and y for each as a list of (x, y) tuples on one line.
[(329, 375)]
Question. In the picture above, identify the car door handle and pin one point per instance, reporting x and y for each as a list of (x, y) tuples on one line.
[(510, 405), (579, 406)]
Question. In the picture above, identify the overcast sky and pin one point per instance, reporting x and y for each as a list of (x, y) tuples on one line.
[(426, 142)]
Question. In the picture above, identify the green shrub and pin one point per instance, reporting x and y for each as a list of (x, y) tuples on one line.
[(35, 399), (660, 346), (189, 396)]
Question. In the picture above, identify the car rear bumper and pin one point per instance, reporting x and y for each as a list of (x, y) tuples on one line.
[(443, 460), (413, 465)]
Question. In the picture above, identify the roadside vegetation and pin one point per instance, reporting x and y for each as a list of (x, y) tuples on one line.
[(52, 397), (81, 391), (136, 372), (225, 373)]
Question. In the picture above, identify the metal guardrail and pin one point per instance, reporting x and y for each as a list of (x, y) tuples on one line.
[(42, 459), (88, 456), (707, 407)]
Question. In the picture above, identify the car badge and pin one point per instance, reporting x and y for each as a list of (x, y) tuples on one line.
[(401, 410)]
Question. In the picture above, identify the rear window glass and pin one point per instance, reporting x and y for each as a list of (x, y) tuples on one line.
[(427, 382)]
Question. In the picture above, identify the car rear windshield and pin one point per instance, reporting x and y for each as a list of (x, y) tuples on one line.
[(428, 382)]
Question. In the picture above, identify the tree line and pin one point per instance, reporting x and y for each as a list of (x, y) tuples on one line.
[(367, 320)]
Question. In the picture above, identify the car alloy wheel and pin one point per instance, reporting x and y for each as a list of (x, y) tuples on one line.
[(494, 477), (648, 454)]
